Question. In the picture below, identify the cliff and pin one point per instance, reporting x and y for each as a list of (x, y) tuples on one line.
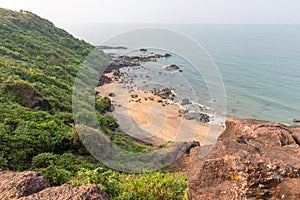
[(252, 159)]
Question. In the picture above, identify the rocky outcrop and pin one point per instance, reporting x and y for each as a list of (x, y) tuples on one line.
[(172, 67), (26, 95), (32, 186), (252, 159)]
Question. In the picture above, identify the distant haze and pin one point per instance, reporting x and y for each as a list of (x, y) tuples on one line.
[(66, 12)]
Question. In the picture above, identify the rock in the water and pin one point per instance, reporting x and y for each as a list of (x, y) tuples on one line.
[(172, 67), (251, 160), (164, 93), (143, 50), (31, 185), (185, 102)]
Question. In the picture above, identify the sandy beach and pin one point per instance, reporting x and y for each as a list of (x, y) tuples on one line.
[(150, 118)]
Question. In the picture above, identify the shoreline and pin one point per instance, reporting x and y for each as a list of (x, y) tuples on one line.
[(152, 118)]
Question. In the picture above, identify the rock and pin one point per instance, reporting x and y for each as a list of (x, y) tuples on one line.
[(182, 111), (116, 73), (185, 102), (134, 96), (26, 95), (159, 101), (104, 80), (167, 55), (296, 120), (90, 191), (164, 93), (111, 94), (252, 159), (31, 185), (286, 189), (171, 67), (14, 185), (189, 117), (143, 50)]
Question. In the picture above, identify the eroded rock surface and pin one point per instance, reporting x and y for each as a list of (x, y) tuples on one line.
[(31, 185), (252, 159)]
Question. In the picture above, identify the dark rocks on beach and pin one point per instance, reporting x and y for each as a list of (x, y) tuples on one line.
[(151, 98), (202, 117), (182, 111), (111, 94), (164, 93), (172, 67), (134, 96), (185, 102), (116, 73), (104, 80), (189, 117), (114, 65), (251, 159), (167, 55), (159, 101), (144, 50)]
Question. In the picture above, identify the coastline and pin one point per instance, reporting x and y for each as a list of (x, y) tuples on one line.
[(151, 116)]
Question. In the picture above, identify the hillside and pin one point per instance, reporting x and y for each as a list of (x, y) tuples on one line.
[(38, 63)]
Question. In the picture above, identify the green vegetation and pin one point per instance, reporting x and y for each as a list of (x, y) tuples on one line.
[(39, 62)]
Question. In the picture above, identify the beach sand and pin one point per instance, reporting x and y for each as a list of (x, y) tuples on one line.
[(145, 118)]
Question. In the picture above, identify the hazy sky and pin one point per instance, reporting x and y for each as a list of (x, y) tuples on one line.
[(64, 12)]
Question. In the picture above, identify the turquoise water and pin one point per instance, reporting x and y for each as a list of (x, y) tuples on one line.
[(259, 64)]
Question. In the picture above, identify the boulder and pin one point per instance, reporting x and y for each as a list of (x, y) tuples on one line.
[(185, 102), (66, 191), (26, 95), (252, 159), (31, 185), (172, 67), (14, 185), (189, 117), (111, 94)]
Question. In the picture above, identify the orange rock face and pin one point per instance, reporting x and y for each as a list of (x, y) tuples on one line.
[(252, 159)]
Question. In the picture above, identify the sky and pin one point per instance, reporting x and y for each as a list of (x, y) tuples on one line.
[(65, 12)]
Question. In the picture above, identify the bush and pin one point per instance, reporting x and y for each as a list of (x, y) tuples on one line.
[(154, 185), (102, 104)]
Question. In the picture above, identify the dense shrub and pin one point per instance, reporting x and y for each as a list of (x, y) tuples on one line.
[(39, 59)]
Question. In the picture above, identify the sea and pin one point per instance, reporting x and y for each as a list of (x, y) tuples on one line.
[(259, 65)]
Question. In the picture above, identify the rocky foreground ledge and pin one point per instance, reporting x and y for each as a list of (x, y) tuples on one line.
[(251, 160), (32, 186)]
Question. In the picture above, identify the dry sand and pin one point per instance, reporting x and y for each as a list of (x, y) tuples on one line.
[(150, 121)]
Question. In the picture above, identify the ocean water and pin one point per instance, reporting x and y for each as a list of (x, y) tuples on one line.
[(259, 64)]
